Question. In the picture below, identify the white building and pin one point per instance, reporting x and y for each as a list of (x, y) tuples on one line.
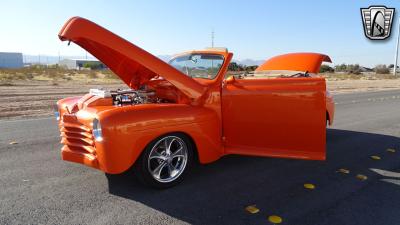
[(11, 60), (77, 64)]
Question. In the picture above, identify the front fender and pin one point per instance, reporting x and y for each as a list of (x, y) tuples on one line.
[(127, 130)]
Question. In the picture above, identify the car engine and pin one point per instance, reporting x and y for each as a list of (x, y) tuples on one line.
[(132, 97), (127, 96)]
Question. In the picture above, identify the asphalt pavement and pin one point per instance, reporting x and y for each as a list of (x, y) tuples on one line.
[(37, 187)]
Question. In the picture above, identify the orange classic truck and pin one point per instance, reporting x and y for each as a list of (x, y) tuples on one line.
[(185, 111)]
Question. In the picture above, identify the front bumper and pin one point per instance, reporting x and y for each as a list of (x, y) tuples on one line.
[(79, 157), (79, 145)]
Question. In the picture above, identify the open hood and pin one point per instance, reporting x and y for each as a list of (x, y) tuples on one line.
[(132, 64), (310, 62)]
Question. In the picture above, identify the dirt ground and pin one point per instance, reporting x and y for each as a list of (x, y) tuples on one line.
[(22, 99), (348, 86), (35, 99)]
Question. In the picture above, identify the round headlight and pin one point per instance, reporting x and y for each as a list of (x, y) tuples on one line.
[(98, 136)]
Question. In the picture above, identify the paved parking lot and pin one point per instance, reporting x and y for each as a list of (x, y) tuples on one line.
[(37, 187)]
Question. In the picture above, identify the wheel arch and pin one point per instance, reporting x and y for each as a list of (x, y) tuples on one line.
[(195, 150), (205, 149)]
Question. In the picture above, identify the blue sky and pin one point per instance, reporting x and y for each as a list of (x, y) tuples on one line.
[(250, 29)]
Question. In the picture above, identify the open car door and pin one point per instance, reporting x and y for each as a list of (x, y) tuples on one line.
[(277, 117)]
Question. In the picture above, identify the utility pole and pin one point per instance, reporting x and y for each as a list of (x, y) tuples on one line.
[(397, 49), (212, 38)]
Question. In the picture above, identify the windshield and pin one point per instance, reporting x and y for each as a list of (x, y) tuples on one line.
[(199, 65)]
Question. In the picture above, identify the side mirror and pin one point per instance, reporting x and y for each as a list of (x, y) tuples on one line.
[(230, 80)]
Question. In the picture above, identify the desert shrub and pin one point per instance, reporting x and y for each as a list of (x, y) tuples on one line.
[(67, 78), (233, 66), (29, 76), (51, 74), (340, 68), (353, 69), (326, 69), (109, 75), (348, 68), (4, 78), (16, 76), (92, 75), (381, 69), (92, 66), (251, 68)]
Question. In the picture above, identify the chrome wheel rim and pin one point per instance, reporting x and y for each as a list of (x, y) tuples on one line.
[(167, 159)]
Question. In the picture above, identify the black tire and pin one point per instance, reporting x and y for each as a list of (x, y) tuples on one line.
[(142, 167)]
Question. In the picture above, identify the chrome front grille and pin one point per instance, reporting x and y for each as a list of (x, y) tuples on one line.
[(76, 136)]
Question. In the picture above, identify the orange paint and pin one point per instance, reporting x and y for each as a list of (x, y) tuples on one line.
[(310, 62), (278, 117)]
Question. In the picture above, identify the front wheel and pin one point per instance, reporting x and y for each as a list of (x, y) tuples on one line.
[(165, 161)]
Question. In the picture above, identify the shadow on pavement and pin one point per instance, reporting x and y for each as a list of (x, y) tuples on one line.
[(218, 193)]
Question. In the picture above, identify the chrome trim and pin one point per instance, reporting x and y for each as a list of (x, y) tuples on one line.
[(97, 134)]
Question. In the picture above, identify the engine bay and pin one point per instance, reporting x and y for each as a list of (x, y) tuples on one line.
[(122, 97), (133, 97)]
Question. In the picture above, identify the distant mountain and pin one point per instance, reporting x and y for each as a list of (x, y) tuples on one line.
[(249, 62), (51, 59)]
